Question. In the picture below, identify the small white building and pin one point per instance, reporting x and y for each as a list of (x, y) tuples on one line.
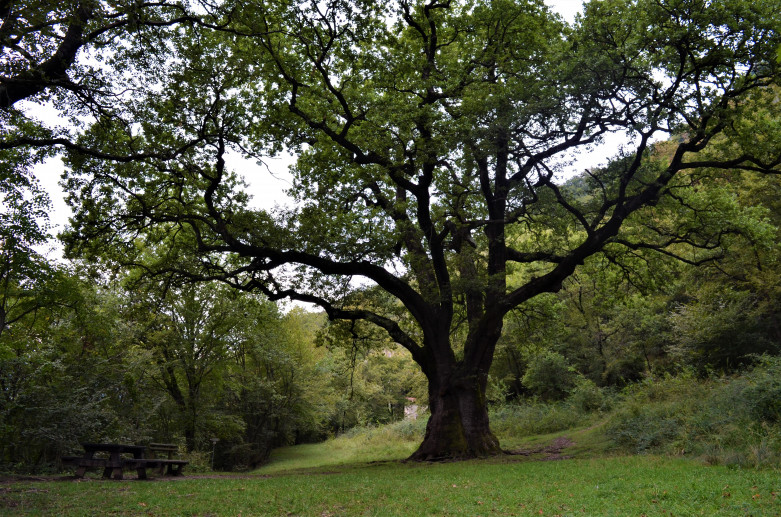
[(412, 410)]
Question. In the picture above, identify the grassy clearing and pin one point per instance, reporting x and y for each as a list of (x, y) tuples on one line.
[(384, 444), (388, 443), (642, 485), (396, 442), (360, 473)]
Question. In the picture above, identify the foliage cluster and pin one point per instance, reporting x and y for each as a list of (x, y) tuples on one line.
[(625, 318)]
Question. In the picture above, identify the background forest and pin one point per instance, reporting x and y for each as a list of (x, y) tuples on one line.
[(679, 354)]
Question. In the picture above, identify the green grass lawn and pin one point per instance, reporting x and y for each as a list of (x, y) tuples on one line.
[(513, 485)]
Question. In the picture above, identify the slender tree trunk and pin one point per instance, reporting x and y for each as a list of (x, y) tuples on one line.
[(458, 425), (192, 420), (190, 426), (189, 438)]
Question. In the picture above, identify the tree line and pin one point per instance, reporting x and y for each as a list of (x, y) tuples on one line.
[(84, 358)]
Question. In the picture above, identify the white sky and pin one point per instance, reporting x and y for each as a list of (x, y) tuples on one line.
[(266, 183)]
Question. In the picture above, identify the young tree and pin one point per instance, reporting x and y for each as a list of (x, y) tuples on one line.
[(432, 137), (190, 332)]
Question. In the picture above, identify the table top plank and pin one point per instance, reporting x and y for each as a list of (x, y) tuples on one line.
[(163, 446)]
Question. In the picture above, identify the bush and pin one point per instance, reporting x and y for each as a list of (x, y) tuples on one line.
[(642, 430), (586, 395), (549, 376), (761, 393)]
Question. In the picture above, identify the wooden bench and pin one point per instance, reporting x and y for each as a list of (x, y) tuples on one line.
[(167, 465)]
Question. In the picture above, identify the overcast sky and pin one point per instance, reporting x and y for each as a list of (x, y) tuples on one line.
[(267, 183)]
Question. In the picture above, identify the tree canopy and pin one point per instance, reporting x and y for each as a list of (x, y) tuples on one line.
[(433, 139)]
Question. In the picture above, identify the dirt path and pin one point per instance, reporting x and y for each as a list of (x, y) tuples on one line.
[(8, 479)]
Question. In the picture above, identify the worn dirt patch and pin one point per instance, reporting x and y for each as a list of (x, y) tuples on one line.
[(551, 452), (7, 479)]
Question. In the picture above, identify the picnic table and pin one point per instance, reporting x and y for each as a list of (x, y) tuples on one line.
[(114, 458)]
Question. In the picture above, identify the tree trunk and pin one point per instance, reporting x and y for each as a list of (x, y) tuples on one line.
[(458, 426), (189, 437)]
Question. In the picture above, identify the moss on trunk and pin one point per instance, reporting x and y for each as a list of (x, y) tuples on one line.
[(458, 427)]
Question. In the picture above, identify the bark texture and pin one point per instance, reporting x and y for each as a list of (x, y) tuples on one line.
[(458, 426)]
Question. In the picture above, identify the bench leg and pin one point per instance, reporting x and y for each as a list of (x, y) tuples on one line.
[(117, 474), (81, 471), (141, 472), (107, 472)]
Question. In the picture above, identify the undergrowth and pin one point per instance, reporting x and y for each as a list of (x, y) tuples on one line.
[(734, 421), (728, 420)]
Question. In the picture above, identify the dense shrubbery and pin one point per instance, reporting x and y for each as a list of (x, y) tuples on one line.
[(732, 420), (548, 376)]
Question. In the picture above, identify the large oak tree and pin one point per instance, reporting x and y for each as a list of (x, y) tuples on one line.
[(432, 140)]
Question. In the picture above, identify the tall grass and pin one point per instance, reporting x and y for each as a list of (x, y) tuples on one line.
[(530, 418)]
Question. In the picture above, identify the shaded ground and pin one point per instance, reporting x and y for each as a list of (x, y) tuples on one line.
[(8, 479)]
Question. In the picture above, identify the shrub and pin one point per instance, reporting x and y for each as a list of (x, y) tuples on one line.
[(586, 395), (549, 376), (761, 395), (730, 420)]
